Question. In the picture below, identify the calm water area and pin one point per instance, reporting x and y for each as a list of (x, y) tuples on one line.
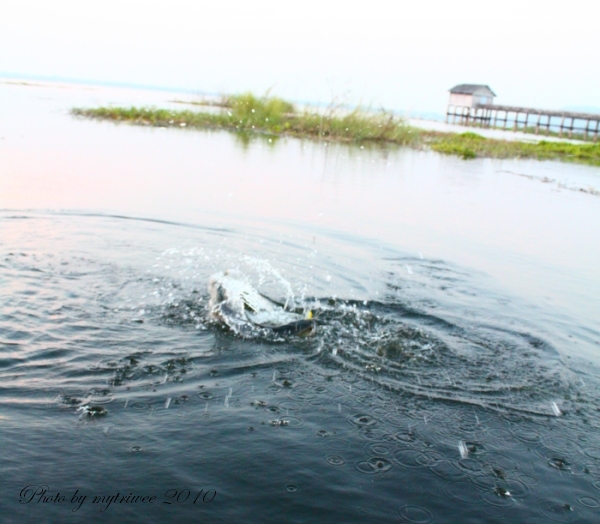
[(454, 376)]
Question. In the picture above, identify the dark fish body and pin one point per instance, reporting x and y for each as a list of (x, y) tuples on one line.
[(300, 328)]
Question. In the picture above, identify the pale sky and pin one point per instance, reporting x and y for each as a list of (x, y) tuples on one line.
[(401, 55)]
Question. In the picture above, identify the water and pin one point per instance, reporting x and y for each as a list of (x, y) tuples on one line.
[(454, 375)]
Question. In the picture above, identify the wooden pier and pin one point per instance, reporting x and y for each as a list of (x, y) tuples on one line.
[(529, 120)]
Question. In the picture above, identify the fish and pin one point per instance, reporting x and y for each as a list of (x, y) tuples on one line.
[(236, 304)]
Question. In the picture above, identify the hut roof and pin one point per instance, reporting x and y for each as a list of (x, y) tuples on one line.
[(473, 89)]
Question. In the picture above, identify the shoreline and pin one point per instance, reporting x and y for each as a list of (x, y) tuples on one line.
[(248, 114)]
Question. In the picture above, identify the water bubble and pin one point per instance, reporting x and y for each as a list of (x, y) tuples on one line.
[(136, 449), (374, 465), (205, 395), (291, 488), (361, 420), (335, 460)]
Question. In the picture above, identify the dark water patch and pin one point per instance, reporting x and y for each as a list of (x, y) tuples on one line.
[(385, 391), (337, 444)]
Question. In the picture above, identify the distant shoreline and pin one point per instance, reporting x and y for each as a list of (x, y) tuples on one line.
[(274, 117)]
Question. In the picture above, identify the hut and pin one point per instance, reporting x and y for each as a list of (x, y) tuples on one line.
[(470, 95)]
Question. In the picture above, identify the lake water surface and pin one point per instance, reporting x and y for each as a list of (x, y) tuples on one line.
[(454, 376)]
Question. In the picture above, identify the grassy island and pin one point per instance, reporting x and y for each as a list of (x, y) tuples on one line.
[(248, 113)]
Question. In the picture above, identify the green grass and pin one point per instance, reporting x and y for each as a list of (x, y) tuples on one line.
[(247, 114), (471, 145), (270, 115)]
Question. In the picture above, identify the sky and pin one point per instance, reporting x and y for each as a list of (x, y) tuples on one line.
[(398, 55)]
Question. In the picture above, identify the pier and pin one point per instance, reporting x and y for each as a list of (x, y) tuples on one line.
[(529, 120)]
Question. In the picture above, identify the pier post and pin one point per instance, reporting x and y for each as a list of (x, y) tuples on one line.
[(560, 129), (571, 128)]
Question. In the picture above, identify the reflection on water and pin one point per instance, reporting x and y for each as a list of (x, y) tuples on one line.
[(454, 372)]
